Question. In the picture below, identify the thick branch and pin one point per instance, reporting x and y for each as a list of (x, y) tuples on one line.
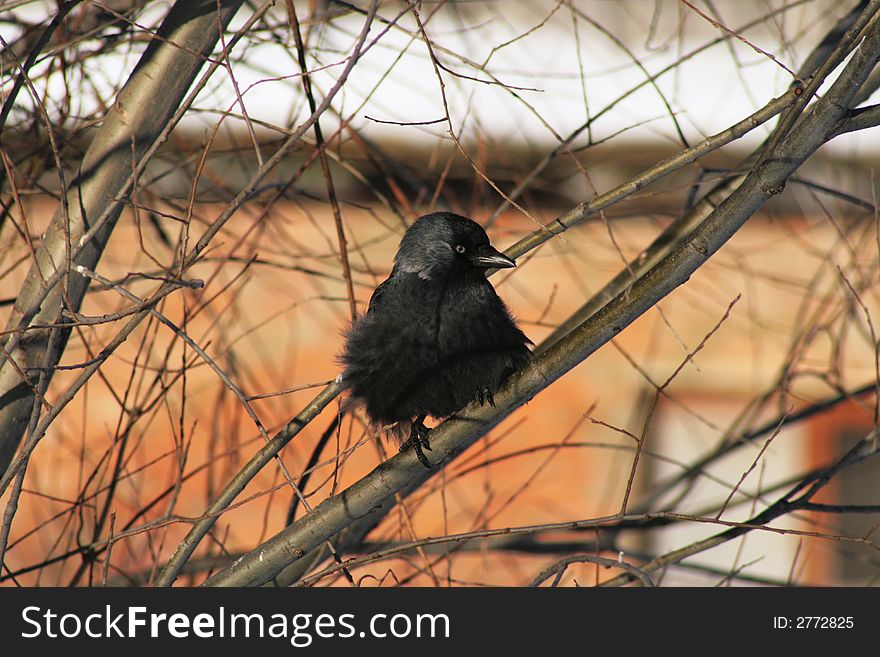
[(620, 192), (403, 471), (192, 257), (141, 113)]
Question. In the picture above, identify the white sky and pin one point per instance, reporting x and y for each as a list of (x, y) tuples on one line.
[(709, 92)]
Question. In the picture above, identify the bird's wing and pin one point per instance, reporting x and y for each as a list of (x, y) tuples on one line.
[(377, 296)]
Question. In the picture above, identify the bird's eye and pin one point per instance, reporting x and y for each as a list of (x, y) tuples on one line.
[(460, 248)]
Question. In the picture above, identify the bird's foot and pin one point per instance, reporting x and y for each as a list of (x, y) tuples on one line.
[(484, 394), (418, 438)]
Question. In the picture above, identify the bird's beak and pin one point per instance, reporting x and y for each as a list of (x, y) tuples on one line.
[(489, 257)]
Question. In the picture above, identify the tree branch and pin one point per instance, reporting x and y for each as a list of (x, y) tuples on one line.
[(366, 497)]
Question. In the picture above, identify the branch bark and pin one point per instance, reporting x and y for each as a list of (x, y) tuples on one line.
[(140, 115), (374, 492), (283, 437)]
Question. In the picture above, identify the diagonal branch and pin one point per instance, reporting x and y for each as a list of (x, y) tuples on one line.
[(193, 256), (140, 115), (293, 428), (367, 497)]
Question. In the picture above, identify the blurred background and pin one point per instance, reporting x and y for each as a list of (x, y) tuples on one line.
[(761, 369)]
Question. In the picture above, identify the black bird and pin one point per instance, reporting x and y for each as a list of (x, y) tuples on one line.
[(436, 336)]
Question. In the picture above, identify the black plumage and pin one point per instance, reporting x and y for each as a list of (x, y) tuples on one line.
[(436, 335)]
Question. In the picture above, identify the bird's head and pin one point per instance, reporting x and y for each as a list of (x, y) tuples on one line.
[(443, 243)]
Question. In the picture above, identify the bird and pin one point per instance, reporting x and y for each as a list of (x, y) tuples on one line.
[(436, 335)]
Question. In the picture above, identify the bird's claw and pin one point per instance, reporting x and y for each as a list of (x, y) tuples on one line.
[(418, 438), (484, 394)]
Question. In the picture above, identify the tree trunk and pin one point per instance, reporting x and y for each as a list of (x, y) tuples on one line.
[(94, 201)]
